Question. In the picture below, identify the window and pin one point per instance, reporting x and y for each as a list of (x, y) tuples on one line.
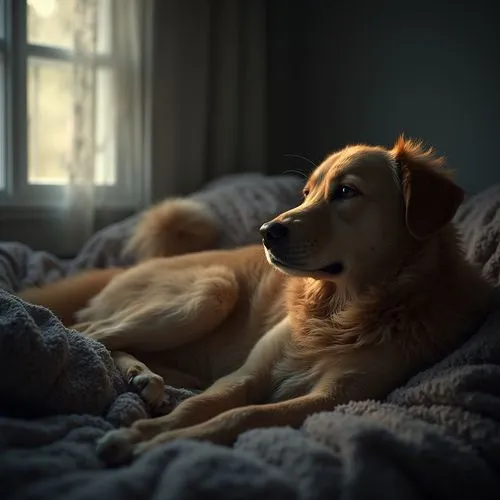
[(2, 98), (38, 101)]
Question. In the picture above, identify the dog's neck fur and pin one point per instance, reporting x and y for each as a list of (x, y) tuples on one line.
[(324, 314)]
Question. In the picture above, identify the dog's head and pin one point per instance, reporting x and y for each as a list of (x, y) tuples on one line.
[(362, 206)]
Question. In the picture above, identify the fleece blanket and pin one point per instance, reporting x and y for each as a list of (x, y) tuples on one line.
[(438, 436)]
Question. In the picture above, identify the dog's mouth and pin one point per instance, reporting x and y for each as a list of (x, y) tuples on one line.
[(333, 269)]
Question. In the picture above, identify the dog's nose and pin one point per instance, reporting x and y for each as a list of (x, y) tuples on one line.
[(273, 231)]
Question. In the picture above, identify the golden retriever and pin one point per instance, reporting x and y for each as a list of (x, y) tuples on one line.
[(355, 290)]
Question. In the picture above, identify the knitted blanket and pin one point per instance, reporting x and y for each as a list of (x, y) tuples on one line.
[(438, 436)]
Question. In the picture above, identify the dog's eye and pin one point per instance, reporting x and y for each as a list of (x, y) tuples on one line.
[(344, 192), (305, 193)]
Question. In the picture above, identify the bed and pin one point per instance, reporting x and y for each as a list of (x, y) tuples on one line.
[(438, 436)]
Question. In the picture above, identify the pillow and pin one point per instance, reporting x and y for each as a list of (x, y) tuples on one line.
[(478, 219)]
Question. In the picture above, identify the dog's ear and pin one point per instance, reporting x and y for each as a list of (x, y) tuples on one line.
[(431, 197)]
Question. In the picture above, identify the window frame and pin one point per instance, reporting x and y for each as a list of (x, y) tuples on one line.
[(18, 193)]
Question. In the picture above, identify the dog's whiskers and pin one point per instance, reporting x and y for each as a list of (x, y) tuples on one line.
[(290, 155), (298, 172)]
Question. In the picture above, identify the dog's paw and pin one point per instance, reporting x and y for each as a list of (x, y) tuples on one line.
[(117, 447), (150, 386)]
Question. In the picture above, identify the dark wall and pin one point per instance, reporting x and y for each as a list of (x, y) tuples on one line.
[(364, 71)]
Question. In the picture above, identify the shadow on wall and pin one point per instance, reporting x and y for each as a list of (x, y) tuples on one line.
[(364, 71)]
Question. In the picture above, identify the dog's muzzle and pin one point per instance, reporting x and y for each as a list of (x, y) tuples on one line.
[(275, 235)]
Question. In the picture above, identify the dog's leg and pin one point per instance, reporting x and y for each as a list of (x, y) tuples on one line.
[(250, 384), (353, 376), (69, 295), (160, 312), (161, 319), (226, 427)]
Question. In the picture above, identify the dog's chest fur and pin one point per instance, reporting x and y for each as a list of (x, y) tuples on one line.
[(327, 328)]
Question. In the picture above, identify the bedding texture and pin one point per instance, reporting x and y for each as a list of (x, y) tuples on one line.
[(436, 437)]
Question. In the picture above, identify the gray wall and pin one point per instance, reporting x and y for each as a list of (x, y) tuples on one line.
[(364, 71)]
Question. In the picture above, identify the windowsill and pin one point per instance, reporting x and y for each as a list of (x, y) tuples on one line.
[(44, 228)]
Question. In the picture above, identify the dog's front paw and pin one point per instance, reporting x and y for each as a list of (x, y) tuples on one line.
[(150, 386), (117, 447)]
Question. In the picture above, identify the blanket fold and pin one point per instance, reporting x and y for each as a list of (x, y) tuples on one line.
[(52, 369)]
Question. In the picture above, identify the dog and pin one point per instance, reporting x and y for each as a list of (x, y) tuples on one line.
[(360, 287)]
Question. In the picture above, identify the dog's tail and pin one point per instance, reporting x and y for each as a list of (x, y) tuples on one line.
[(174, 227), (68, 296)]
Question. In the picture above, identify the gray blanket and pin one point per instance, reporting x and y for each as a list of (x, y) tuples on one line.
[(436, 437)]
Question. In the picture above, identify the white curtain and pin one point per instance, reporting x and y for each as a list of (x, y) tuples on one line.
[(80, 189), (125, 108)]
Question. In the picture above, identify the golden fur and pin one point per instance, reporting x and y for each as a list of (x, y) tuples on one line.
[(162, 233), (368, 285)]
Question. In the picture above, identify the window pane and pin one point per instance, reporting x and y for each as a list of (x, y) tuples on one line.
[(105, 168), (52, 23), (50, 123), (50, 108), (2, 19)]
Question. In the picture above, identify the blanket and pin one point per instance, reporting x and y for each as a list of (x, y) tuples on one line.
[(438, 436)]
